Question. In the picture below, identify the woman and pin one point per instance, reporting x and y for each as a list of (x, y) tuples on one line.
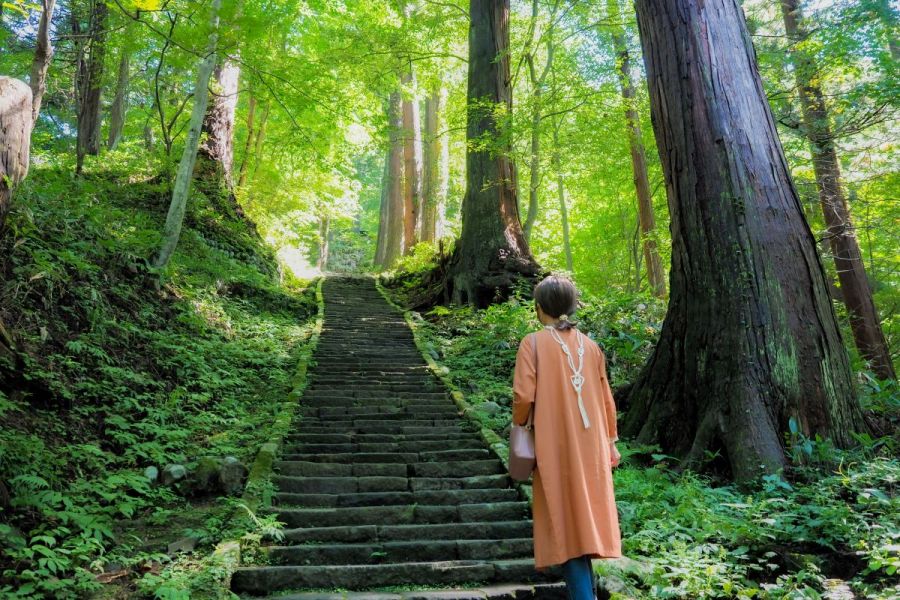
[(561, 375)]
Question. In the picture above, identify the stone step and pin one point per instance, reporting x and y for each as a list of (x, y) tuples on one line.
[(256, 580), (349, 485), (314, 393), (450, 468), (406, 445), (389, 428), (412, 514), (392, 498), (361, 458), (324, 415), (520, 591), (387, 552)]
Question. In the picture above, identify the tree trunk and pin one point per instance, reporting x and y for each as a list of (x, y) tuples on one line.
[(260, 137), (242, 170), (216, 153), (750, 340), (383, 214), (120, 104), (492, 252), (324, 232), (43, 53), (655, 273), (436, 167), (561, 192), (15, 138), (412, 165), (394, 230), (848, 261), (175, 216), (88, 141)]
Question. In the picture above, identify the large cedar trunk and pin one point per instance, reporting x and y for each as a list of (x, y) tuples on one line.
[(435, 167), (394, 225), (15, 138), (750, 339), (216, 154), (848, 261), (412, 165), (90, 86), (492, 253), (381, 240), (646, 219), (43, 53)]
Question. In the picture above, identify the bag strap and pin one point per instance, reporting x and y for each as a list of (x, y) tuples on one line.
[(530, 422)]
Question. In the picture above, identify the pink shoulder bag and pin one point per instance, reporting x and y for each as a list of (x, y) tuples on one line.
[(521, 441)]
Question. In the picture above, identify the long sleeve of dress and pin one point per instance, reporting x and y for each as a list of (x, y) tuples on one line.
[(524, 381), (609, 404)]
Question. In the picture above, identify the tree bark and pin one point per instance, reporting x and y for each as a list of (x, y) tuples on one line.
[(561, 193), (15, 138), (251, 132), (394, 224), (436, 174), (492, 253), (848, 260), (324, 233), (43, 53), (178, 205), (412, 164), (647, 220), (120, 104), (750, 340), (383, 213), (216, 153), (91, 86)]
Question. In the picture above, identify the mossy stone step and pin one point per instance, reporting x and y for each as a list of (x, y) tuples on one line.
[(390, 428), (541, 591), (391, 498), (296, 468), (257, 580), (431, 410), (406, 445), (412, 514), (349, 485), (391, 457), (346, 438), (419, 550)]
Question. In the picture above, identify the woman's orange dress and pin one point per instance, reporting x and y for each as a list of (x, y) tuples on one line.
[(574, 505)]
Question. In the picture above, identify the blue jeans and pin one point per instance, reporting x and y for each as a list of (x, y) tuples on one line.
[(579, 576)]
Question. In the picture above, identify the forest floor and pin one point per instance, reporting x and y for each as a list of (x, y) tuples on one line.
[(120, 373)]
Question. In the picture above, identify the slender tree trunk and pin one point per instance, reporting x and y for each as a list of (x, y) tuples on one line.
[(395, 209), (383, 214), (260, 137), (216, 154), (436, 166), (15, 138), (178, 205), (750, 340), (324, 233), (561, 193), (43, 53), (492, 252), (242, 170), (848, 260), (412, 165), (88, 141), (120, 104), (655, 272)]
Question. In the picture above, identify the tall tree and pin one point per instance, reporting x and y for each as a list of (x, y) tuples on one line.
[(492, 252), (848, 261), (436, 165), (412, 162), (750, 340), (15, 138), (43, 53), (178, 204), (248, 143), (90, 85), (655, 273), (556, 163), (537, 77), (391, 224), (216, 153), (119, 106)]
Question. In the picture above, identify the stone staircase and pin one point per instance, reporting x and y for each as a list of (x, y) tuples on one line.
[(383, 484)]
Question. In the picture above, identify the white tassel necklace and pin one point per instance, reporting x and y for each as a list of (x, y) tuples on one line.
[(577, 378)]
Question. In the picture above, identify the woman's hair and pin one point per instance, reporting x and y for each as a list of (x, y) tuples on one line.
[(558, 298)]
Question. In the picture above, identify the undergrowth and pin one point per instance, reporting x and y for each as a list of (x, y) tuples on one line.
[(836, 516), (118, 368)]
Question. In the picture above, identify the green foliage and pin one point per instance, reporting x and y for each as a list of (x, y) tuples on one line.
[(120, 370)]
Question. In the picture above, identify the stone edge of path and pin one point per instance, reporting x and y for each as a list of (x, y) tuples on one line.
[(227, 555), (498, 446)]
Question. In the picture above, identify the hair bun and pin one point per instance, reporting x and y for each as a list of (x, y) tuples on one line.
[(563, 317)]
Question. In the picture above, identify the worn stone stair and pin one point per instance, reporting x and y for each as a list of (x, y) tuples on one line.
[(382, 484)]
